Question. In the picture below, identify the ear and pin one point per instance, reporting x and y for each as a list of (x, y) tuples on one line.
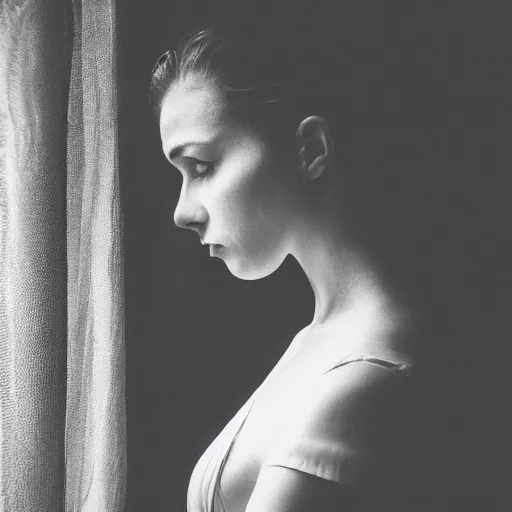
[(314, 146)]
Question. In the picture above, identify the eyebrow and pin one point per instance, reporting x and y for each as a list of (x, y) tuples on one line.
[(180, 148)]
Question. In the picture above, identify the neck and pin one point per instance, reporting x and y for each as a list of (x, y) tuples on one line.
[(342, 279)]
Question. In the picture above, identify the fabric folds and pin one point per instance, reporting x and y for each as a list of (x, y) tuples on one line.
[(62, 407)]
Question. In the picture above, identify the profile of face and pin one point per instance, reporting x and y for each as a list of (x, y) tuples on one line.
[(237, 194)]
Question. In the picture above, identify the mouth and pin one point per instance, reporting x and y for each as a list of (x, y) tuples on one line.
[(215, 248)]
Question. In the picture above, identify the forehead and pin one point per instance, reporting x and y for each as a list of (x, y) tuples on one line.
[(191, 108)]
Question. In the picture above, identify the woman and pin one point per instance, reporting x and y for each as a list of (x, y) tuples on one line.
[(279, 156)]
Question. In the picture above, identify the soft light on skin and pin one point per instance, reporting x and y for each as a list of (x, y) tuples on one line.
[(248, 203), (261, 209)]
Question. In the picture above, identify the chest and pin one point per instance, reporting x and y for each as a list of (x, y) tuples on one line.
[(267, 421)]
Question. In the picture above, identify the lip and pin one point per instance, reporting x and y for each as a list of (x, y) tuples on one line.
[(205, 242), (215, 248)]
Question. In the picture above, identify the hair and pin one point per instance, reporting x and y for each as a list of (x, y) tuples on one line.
[(283, 84)]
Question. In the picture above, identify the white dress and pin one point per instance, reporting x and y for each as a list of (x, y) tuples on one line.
[(309, 431)]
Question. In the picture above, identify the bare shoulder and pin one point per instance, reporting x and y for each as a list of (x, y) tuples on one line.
[(341, 445), (357, 387)]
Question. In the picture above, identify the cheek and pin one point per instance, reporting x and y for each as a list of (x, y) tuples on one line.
[(251, 198), (252, 211)]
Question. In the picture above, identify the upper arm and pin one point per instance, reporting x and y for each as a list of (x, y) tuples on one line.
[(281, 489), (342, 443)]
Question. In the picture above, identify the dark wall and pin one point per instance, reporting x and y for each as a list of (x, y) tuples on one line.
[(198, 340)]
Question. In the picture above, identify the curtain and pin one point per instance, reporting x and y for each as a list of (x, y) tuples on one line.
[(62, 405)]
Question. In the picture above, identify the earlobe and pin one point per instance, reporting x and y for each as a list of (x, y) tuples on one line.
[(315, 146)]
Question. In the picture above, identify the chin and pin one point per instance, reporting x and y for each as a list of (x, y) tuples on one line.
[(250, 270)]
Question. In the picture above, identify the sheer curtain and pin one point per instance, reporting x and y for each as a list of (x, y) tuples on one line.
[(62, 406)]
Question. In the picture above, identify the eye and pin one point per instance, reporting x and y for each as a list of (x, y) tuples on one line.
[(201, 168)]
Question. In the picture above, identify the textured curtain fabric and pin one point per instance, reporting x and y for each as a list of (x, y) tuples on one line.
[(62, 406)]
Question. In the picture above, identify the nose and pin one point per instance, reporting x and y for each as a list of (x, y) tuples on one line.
[(189, 212)]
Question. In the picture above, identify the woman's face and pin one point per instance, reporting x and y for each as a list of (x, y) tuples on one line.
[(236, 193)]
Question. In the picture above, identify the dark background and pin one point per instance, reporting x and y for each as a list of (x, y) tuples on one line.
[(199, 340)]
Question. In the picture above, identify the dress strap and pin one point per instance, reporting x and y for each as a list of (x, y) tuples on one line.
[(402, 369), (217, 494)]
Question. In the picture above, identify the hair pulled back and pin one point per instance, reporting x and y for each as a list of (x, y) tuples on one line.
[(386, 88)]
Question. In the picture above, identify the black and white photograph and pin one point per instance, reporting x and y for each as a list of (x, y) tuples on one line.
[(255, 256)]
